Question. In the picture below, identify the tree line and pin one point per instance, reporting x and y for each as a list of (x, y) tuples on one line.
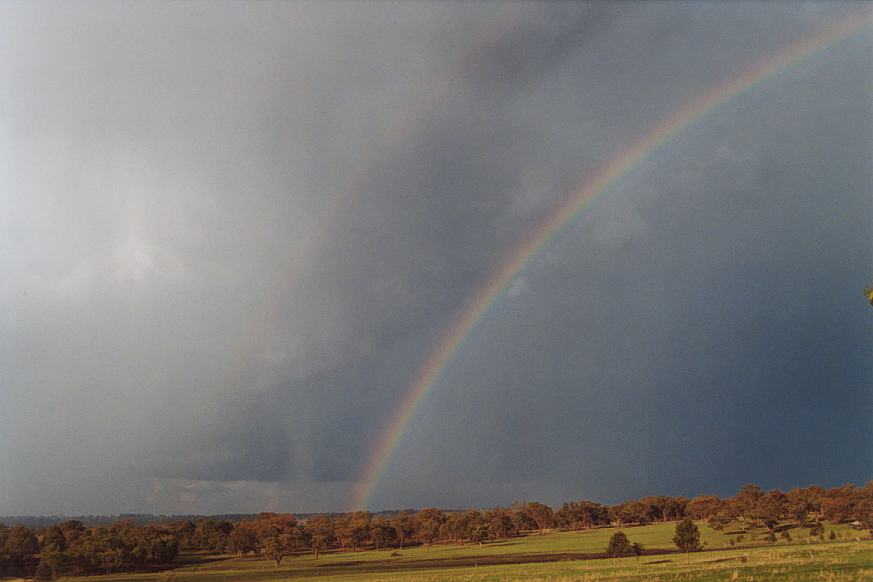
[(72, 548)]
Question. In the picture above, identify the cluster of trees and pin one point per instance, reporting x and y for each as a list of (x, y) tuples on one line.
[(278, 535), (71, 548), (587, 514), (803, 505), (753, 505)]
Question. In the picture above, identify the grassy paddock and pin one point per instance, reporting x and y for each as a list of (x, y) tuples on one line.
[(554, 556)]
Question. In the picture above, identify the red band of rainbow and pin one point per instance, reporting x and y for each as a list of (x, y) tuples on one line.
[(485, 297)]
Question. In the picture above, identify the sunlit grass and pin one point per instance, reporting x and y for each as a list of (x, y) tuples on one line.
[(752, 560)]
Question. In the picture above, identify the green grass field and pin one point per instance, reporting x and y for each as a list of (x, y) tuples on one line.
[(552, 556)]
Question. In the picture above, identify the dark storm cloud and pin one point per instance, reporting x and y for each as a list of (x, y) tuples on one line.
[(232, 233), (704, 349)]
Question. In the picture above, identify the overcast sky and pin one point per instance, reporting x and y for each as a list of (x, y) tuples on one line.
[(232, 233)]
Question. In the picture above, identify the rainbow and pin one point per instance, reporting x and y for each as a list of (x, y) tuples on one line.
[(545, 232)]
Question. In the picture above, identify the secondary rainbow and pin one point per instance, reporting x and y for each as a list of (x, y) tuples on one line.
[(485, 297)]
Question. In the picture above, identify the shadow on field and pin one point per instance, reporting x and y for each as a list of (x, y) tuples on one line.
[(472, 561), (719, 560), (188, 560)]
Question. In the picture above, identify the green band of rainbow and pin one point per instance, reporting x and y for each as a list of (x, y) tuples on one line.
[(485, 297)]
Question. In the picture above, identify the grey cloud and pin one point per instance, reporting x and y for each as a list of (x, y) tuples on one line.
[(231, 234)]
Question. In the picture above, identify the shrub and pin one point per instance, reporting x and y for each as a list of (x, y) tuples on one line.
[(618, 545), (687, 536)]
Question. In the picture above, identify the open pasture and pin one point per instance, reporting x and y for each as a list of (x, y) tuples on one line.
[(557, 556)]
